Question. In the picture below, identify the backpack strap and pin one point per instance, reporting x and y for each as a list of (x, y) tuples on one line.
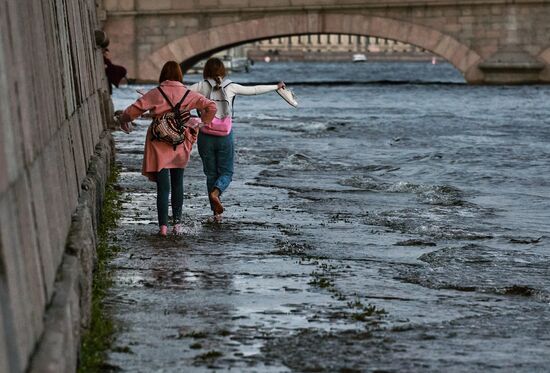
[(211, 89), (182, 99), (168, 100), (224, 86), (165, 97)]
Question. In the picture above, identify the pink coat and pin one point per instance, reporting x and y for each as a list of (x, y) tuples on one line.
[(158, 154)]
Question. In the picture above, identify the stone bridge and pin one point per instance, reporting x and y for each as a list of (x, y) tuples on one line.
[(488, 41)]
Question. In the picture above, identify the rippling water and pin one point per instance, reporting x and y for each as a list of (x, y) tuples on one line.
[(450, 161), (443, 189)]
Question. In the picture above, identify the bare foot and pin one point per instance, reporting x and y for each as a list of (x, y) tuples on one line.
[(215, 200)]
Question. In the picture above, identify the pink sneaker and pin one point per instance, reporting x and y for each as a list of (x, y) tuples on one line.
[(163, 230), (177, 229), (216, 218)]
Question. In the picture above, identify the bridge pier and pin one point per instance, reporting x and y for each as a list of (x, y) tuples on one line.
[(511, 65)]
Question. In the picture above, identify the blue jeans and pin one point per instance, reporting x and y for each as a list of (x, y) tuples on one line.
[(166, 178), (217, 154)]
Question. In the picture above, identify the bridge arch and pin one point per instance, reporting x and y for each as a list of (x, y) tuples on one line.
[(191, 48)]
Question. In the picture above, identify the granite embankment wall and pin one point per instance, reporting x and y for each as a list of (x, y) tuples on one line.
[(55, 154)]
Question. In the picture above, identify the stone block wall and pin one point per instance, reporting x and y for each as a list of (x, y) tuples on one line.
[(54, 105)]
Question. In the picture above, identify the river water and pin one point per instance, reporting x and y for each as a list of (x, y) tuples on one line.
[(398, 220)]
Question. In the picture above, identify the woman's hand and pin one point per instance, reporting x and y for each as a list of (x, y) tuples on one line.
[(126, 127), (281, 85), (196, 124)]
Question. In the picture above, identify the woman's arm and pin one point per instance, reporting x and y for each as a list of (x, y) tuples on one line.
[(253, 90), (135, 110), (206, 107), (132, 112)]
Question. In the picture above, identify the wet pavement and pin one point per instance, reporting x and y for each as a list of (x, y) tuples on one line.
[(224, 295), (341, 251)]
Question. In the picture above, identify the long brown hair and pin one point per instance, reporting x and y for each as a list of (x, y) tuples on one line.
[(171, 71), (214, 69)]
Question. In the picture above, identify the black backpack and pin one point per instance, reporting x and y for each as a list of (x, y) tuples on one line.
[(170, 127)]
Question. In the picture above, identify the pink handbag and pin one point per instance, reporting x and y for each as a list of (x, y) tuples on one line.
[(218, 127)]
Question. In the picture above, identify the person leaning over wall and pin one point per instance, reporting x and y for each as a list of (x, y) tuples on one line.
[(115, 74)]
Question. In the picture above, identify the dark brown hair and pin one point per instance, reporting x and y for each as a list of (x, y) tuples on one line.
[(214, 69), (171, 71)]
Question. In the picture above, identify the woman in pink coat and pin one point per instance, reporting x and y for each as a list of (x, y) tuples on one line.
[(162, 162)]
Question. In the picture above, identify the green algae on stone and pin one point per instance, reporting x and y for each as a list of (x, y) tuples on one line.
[(99, 337)]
